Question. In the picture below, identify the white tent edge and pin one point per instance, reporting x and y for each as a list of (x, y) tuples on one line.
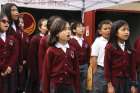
[(75, 5)]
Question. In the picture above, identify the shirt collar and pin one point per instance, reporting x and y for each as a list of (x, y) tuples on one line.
[(78, 38), (14, 26), (41, 34), (3, 34), (121, 44), (59, 45), (104, 39)]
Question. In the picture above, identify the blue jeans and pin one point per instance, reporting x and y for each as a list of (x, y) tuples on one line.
[(99, 83), (83, 77)]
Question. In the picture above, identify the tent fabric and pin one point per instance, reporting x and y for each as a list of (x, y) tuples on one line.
[(82, 5), (134, 6)]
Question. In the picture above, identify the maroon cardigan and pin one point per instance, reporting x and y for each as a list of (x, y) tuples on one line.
[(60, 67), (118, 63)]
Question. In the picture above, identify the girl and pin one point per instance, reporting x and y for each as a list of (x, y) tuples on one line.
[(118, 66), (83, 53), (8, 57), (43, 44), (61, 70), (137, 59), (33, 56), (11, 10)]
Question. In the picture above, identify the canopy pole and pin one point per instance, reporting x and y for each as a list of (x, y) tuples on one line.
[(82, 10)]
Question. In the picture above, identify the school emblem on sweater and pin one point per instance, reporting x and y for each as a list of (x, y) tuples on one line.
[(11, 42), (72, 54)]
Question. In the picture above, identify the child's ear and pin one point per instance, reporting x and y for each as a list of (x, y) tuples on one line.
[(100, 32)]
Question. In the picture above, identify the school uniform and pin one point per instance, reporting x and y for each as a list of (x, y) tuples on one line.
[(34, 85), (61, 70), (137, 59), (119, 67), (23, 75), (98, 50), (8, 57), (83, 57), (15, 31), (41, 53)]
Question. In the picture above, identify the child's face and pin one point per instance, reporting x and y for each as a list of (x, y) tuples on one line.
[(105, 30), (79, 29), (14, 13), (123, 33), (43, 27), (4, 24), (21, 23), (64, 35)]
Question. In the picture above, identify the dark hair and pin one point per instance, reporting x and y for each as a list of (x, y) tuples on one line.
[(100, 25), (40, 22), (74, 26), (50, 21), (113, 36), (57, 26), (6, 9), (2, 15)]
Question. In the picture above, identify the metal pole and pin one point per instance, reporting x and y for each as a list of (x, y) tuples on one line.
[(82, 11)]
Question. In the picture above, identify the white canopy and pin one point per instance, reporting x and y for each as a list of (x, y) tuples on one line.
[(85, 5)]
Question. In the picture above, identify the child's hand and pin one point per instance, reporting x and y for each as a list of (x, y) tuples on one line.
[(133, 89), (8, 70), (2, 74), (110, 88)]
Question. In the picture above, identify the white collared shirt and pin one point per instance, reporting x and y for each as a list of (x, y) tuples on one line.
[(122, 45), (3, 36), (63, 47), (14, 26), (80, 40), (41, 34), (98, 49)]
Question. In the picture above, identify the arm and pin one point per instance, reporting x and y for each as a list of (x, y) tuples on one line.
[(46, 71), (41, 54), (93, 63), (108, 69)]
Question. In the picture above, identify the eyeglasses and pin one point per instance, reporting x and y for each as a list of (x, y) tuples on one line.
[(4, 21)]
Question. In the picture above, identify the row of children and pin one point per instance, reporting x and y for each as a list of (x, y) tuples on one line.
[(56, 62), (25, 61), (115, 63)]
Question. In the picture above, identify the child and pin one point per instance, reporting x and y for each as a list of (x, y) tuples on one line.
[(43, 45), (97, 56), (33, 56), (83, 53), (8, 58), (118, 66), (61, 70), (137, 59), (11, 10)]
